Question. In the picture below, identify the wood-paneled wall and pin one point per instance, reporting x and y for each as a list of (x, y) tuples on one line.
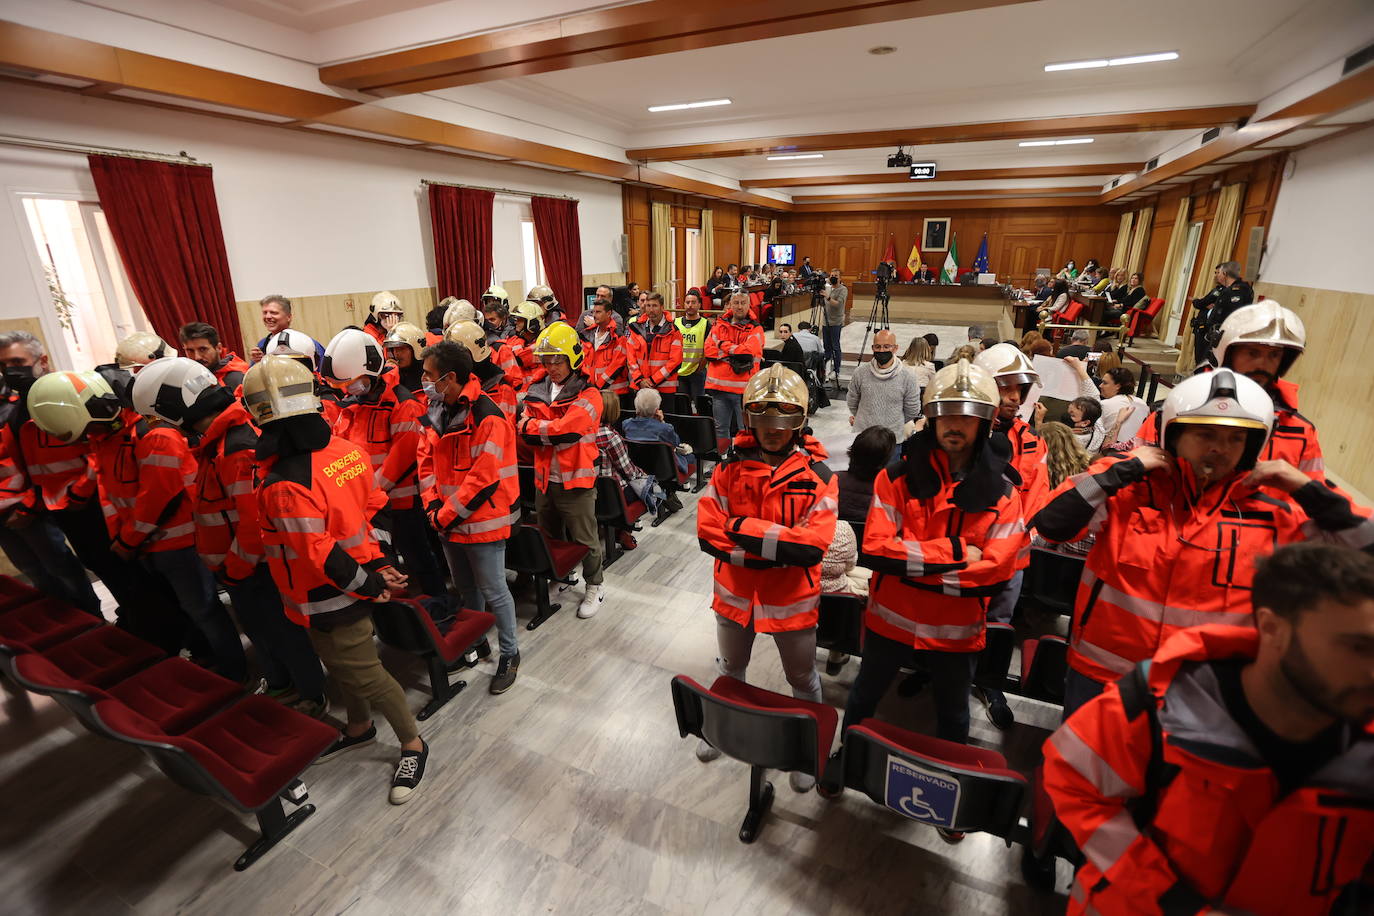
[(1335, 385), (1019, 240)]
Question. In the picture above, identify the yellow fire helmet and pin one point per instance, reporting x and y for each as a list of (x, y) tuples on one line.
[(141, 348), (775, 398), (559, 339), (470, 335), (68, 405), (406, 334), (963, 389), (278, 387), (532, 314)]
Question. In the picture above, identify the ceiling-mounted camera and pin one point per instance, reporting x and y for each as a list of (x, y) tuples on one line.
[(899, 160)]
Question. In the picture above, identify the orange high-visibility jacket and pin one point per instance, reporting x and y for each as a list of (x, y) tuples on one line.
[(147, 479), (501, 378), (388, 425), (316, 510), (228, 535), (768, 528), (925, 591), (562, 432), (728, 339), (63, 473), (1029, 457), (1165, 559), (1222, 836), (1294, 438), (16, 491), (607, 365), (468, 470), (523, 352), (229, 371), (655, 355)]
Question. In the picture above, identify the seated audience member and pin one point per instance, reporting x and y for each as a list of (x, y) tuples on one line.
[(1077, 346), (790, 350), (840, 577), (1068, 271), (967, 351), (917, 359), (1108, 360), (1028, 340), (648, 425), (1041, 347), (975, 335), (1057, 301), (1224, 766), (613, 461), (870, 452), (813, 348), (1124, 298), (1122, 411), (1064, 457), (1083, 414), (987, 342)]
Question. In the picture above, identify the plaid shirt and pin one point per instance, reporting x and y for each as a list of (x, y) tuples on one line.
[(613, 459)]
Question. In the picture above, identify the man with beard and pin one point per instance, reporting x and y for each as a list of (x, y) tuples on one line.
[(1232, 772), (1177, 528), (200, 342)]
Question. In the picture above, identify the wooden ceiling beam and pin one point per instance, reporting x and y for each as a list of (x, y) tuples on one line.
[(626, 32), (1024, 129), (969, 203), (900, 177), (981, 192)]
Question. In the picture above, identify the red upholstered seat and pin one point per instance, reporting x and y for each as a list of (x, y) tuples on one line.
[(1142, 319), (566, 556), (634, 510), (176, 694), (469, 626), (103, 656), (14, 593), (1028, 648), (742, 694), (42, 623), (1072, 312), (949, 752)]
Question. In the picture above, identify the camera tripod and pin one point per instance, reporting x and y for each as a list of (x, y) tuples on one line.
[(881, 322)]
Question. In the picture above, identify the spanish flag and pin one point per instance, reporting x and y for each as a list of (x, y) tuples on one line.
[(913, 261)]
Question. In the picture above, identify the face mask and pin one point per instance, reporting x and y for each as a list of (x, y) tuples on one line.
[(882, 357), (20, 378), (431, 389), (359, 386)]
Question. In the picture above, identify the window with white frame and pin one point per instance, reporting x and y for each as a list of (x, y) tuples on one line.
[(533, 261)]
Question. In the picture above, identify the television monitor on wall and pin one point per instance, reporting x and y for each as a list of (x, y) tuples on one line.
[(782, 254)]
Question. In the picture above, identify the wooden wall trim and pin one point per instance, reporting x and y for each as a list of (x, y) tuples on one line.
[(900, 177), (966, 203), (895, 196)]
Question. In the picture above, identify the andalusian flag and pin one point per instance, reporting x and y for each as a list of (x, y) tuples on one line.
[(913, 262), (950, 272)]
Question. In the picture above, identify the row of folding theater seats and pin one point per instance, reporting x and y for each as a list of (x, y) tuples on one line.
[(199, 728)]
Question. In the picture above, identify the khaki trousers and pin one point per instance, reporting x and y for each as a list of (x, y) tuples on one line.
[(350, 656), (570, 515)]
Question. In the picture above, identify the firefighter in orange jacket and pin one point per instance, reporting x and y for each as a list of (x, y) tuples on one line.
[(529, 320), (200, 342), (185, 395), (654, 345), (734, 350), (604, 347), (560, 419), (767, 519), (315, 507), (146, 475), (942, 535), (1177, 528), (494, 365), (1232, 774), (403, 347), (387, 422), (471, 491)]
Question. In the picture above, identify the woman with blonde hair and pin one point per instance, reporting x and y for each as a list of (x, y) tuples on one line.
[(967, 351), (1064, 457), (918, 359)]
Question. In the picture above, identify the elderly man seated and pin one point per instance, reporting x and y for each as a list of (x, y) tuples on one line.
[(648, 425)]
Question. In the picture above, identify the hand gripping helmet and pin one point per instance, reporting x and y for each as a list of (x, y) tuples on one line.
[(1220, 398), (139, 349), (1007, 364), (775, 398), (499, 297), (963, 389), (68, 405), (278, 387), (559, 339), (532, 313), (179, 391), (293, 344), (406, 334), (386, 302), (350, 354), (459, 310), (471, 336), (1266, 323), (542, 296)]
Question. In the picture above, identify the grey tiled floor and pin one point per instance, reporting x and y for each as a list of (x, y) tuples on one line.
[(572, 793)]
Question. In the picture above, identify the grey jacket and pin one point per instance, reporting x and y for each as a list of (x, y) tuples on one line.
[(886, 402)]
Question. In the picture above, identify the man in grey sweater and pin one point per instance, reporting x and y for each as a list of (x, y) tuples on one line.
[(882, 392)]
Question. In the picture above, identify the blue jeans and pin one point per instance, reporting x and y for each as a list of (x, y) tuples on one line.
[(951, 682), (728, 411), (195, 591), (284, 651), (479, 571), (1003, 604), (41, 553), (830, 337), (1078, 690), (693, 385)]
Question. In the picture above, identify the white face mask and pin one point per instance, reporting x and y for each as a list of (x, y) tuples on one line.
[(359, 386), (431, 390)]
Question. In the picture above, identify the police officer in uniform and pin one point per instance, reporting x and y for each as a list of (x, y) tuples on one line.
[(1230, 293)]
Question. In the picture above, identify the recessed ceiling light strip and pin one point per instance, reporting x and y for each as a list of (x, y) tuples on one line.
[(683, 106), (1071, 142), (1112, 61), (797, 156)]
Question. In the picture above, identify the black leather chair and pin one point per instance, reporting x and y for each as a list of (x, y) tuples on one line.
[(546, 559), (614, 515), (840, 624), (700, 434), (404, 624)]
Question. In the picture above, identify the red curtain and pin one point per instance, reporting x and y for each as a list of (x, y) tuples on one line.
[(560, 246), (461, 223), (165, 224)]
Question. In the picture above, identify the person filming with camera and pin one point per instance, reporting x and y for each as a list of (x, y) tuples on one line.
[(836, 297)]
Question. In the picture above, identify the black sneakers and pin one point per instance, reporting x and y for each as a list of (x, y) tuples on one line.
[(346, 743), (409, 772), (506, 670)]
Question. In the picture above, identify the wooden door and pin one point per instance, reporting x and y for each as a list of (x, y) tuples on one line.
[(852, 255), (1022, 254)]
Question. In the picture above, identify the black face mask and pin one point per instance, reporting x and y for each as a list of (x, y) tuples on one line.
[(883, 357), (20, 378)]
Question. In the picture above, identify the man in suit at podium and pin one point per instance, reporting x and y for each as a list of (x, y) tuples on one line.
[(923, 275)]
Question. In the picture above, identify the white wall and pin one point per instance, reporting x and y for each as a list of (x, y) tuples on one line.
[(303, 214), (1321, 236)]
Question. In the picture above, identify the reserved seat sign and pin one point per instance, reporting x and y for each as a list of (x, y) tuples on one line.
[(923, 170)]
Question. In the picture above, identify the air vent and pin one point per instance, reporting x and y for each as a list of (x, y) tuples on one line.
[(1209, 135), (1151, 164), (1358, 60)]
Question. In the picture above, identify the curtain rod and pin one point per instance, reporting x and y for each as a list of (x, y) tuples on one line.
[(478, 187), (86, 149)]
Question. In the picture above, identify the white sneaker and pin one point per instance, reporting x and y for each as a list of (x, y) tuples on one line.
[(706, 752), (591, 601), (801, 782)]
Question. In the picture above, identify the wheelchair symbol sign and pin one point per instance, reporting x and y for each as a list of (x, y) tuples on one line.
[(921, 794)]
